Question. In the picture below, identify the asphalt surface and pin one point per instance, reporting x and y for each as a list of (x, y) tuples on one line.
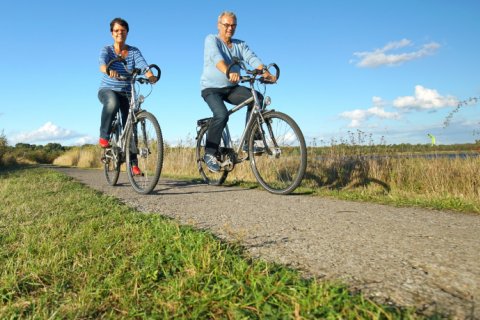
[(406, 256)]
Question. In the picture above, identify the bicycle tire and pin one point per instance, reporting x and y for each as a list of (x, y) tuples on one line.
[(146, 134), (111, 161), (278, 170), (209, 177)]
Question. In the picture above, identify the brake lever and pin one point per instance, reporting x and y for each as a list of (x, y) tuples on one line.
[(263, 80), (143, 80)]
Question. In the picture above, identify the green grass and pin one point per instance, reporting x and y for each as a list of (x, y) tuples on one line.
[(67, 251)]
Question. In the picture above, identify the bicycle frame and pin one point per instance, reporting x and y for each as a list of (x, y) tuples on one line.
[(134, 106), (254, 115), (279, 164)]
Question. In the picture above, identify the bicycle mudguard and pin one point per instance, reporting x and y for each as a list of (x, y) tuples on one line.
[(267, 111), (203, 121)]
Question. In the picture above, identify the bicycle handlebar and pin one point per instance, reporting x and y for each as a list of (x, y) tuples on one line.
[(253, 73), (133, 73)]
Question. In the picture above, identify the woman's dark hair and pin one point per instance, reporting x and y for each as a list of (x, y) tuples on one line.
[(119, 21)]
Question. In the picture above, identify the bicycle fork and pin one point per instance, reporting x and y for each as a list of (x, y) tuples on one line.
[(271, 149)]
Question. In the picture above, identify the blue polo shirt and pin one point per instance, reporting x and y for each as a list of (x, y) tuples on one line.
[(216, 50)]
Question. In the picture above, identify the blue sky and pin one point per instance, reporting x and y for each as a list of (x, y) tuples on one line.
[(394, 70)]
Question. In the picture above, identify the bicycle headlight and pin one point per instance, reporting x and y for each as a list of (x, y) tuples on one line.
[(267, 101), (141, 98)]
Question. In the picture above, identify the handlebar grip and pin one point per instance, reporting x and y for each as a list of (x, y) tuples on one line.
[(255, 72), (277, 69), (235, 62), (229, 68), (118, 59), (159, 72)]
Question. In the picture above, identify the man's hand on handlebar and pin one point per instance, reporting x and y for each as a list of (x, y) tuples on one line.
[(234, 77), (267, 77), (262, 71)]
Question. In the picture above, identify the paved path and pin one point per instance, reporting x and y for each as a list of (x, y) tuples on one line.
[(406, 256)]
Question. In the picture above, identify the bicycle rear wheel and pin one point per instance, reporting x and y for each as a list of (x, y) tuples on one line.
[(144, 149), (281, 167), (212, 178), (111, 161)]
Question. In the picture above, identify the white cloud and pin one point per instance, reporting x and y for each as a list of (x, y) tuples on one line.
[(425, 99), (358, 116), (49, 132), (80, 141), (383, 56)]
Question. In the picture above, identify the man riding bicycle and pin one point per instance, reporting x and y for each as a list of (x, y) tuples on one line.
[(220, 50)]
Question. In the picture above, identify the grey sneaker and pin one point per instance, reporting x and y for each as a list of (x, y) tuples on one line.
[(212, 162)]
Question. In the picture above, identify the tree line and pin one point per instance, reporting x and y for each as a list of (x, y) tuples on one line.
[(29, 152)]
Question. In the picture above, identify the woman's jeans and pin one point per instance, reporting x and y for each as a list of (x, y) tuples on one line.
[(112, 101), (215, 98)]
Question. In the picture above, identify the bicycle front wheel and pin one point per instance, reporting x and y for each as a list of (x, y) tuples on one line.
[(145, 150), (210, 177), (281, 166)]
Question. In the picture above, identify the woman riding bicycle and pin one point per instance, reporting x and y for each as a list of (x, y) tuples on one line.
[(219, 52), (114, 93)]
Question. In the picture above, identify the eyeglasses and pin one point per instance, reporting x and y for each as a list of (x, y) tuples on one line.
[(226, 25), (120, 31)]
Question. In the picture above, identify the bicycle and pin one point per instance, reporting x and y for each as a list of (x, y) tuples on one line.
[(281, 166), (138, 142)]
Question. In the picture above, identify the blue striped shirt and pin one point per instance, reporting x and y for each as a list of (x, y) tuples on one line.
[(216, 50), (134, 59)]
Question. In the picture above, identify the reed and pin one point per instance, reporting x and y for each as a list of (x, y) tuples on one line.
[(355, 168)]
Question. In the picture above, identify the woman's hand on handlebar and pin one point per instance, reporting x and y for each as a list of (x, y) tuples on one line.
[(152, 79), (109, 72), (113, 74)]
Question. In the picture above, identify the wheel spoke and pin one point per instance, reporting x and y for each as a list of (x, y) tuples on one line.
[(281, 167), (145, 150), (212, 178)]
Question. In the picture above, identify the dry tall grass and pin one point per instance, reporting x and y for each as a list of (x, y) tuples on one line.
[(180, 161), (457, 177), (387, 174), (82, 157)]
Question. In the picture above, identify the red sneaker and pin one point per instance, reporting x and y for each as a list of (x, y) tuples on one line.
[(103, 143), (136, 171)]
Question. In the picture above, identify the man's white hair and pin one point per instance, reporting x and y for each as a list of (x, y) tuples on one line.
[(227, 13)]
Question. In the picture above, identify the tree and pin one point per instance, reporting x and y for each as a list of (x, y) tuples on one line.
[(54, 147), (22, 145), (3, 140)]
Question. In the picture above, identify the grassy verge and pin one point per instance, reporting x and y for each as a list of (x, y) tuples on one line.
[(70, 252)]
